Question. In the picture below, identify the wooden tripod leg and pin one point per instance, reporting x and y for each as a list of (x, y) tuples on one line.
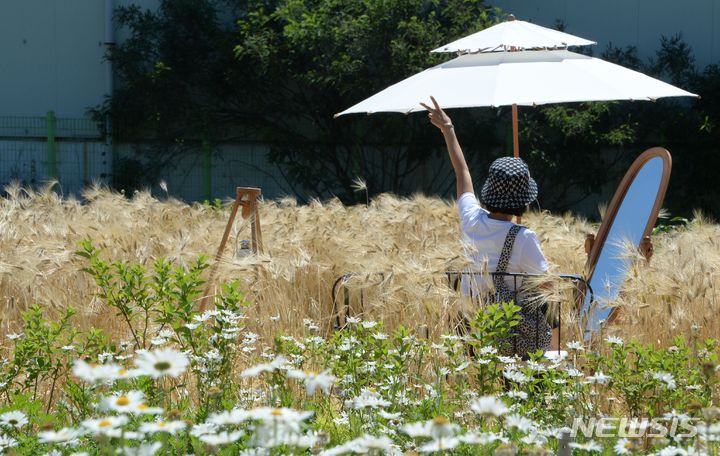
[(247, 198), (218, 255), (257, 233)]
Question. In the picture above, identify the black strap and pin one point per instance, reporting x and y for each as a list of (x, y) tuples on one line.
[(507, 248), (502, 292)]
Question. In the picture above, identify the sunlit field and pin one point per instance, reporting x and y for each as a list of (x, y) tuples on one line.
[(139, 369), (307, 247)]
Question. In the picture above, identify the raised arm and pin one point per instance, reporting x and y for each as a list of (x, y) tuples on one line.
[(440, 119)]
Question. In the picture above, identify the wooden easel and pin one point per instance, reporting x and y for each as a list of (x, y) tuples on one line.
[(247, 198)]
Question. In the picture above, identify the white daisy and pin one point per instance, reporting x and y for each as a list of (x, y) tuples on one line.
[(222, 438), (437, 428), (514, 394), (162, 362), (556, 356), (273, 436), (367, 399), (280, 416), (106, 356), (104, 426), (15, 419), (203, 429), (590, 445), (614, 340), (144, 409), (488, 350), (598, 378), (574, 373), (439, 445), (123, 402), (254, 452), (488, 405), (482, 438), (623, 446), (313, 380), (667, 378), (232, 417), (7, 442), (519, 422), (516, 376), (157, 341), (462, 366), (389, 416), (101, 373), (145, 449), (362, 445), (64, 435), (170, 427)]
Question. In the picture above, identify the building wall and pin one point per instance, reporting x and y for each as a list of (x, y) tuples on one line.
[(638, 23), (52, 50), (52, 56)]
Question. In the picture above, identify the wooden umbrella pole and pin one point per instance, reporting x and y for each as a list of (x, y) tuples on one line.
[(247, 198), (516, 145)]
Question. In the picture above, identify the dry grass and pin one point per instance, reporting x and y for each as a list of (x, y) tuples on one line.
[(410, 241)]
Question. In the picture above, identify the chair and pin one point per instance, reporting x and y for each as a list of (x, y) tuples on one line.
[(454, 278)]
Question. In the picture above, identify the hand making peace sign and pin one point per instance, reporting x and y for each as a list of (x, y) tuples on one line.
[(437, 115)]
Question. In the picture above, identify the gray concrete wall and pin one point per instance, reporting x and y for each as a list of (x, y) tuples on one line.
[(52, 55), (52, 50)]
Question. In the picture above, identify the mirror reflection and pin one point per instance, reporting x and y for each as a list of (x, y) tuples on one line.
[(624, 236)]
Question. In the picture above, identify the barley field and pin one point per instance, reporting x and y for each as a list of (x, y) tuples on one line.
[(399, 249)]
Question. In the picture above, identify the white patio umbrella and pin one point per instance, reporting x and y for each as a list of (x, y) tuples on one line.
[(516, 77), (518, 35)]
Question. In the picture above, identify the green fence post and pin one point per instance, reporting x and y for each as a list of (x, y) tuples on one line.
[(207, 164), (51, 146)]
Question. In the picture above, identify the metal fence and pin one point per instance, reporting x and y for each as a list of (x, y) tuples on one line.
[(34, 150), (202, 174)]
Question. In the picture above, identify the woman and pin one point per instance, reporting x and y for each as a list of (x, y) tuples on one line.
[(499, 244)]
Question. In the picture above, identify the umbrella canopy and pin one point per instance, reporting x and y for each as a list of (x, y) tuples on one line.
[(522, 78), (519, 35)]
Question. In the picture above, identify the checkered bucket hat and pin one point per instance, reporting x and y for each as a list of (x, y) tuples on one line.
[(509, 185)]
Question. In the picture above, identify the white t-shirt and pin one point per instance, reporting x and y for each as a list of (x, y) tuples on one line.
[(487, 237)]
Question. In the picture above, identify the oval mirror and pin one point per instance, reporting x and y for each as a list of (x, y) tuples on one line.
[(630, 216)]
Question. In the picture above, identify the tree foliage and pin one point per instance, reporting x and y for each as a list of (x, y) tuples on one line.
[(276, 71)]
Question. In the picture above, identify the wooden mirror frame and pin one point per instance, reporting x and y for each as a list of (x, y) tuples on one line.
[(614, 206)]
